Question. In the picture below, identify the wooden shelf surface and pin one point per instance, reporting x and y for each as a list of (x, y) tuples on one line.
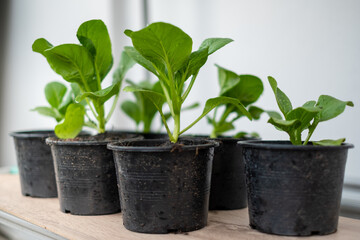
[(45, 215)]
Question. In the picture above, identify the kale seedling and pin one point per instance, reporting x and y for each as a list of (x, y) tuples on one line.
[(59, 98), (142, 111), (166, 51), (86, 64), (247, 89), (305, 117)]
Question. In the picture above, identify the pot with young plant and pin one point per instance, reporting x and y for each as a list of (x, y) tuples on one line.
[(36, 168), (294, 187), (84, 167), (142, 111), (228, 188), (164, 185)]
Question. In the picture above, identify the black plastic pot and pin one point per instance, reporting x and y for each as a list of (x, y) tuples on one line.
[(36, 168), (164, 187), (228, 188), (150, 135), (85, 174), (294, 190)]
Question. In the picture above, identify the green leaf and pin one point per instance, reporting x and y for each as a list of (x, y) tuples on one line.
[(74, 121), (126, 62), (101, 96), (329, 142), (196, 61), (331, 107), (214, 44), (54, 93), (285, 125), (248, 89), (156, 98), (74, 63), (162, 44), (214, 102), (255, 112), (137, 57), (40, 45), (224, 127), (282, 100), (94, 36), (49, 112), (309, 104), (132, 110), (303, 114), (274, 114), (227, 80)]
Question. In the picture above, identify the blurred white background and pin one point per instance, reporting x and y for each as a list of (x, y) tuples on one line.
[(310, 47)]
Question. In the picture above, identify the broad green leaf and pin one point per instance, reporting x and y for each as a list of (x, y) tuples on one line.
[(214, 44), (54, 93), (132, 110), (248, 89), (214, 102), (227, 80), (126, 62), (162, 43), (40, 45), (282, 100), (94, 36), (224, 127), (331, 107), (74, 63), (255, 112), (73, 123), (49, 112), (196, 61), (156, 98), (304, 114), (285, 125), (309, 104), (274, 114), (329, 142), (101, 96), (137, 57)]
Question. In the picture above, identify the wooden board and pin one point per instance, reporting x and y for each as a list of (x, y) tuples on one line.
[(222, 225)]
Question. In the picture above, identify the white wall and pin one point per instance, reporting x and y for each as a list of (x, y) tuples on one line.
[(310, 47)]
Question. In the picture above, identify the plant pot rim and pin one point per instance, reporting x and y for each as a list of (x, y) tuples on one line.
[(143, 145), (32, 133), (286, 145), (220, 138), (82, 141)]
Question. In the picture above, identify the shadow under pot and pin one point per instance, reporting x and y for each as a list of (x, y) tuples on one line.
[(164, 187), (294, 189), (85, 174), (36, 168)]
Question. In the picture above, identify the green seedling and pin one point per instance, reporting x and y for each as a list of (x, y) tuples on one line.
[(306, 117), (86, 65), (59, 98), (142, 111), (166, 51), (245, 88)]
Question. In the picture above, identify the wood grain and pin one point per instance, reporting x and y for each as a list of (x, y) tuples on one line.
[(221, 225)]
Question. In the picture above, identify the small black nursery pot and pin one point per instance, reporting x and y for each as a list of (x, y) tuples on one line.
[(85, 174), (164, 187), (294, 189), (228, 188), (36, 168)]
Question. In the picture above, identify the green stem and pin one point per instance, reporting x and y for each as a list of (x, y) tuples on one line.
[(112, 108), (187, 91), (311, 131), (176, 132)]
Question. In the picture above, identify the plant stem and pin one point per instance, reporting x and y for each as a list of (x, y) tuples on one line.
[(112, 108), (176, 132), (311, 131)]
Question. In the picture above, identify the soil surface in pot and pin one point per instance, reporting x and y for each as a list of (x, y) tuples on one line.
[(294, 190), (164, 187)]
